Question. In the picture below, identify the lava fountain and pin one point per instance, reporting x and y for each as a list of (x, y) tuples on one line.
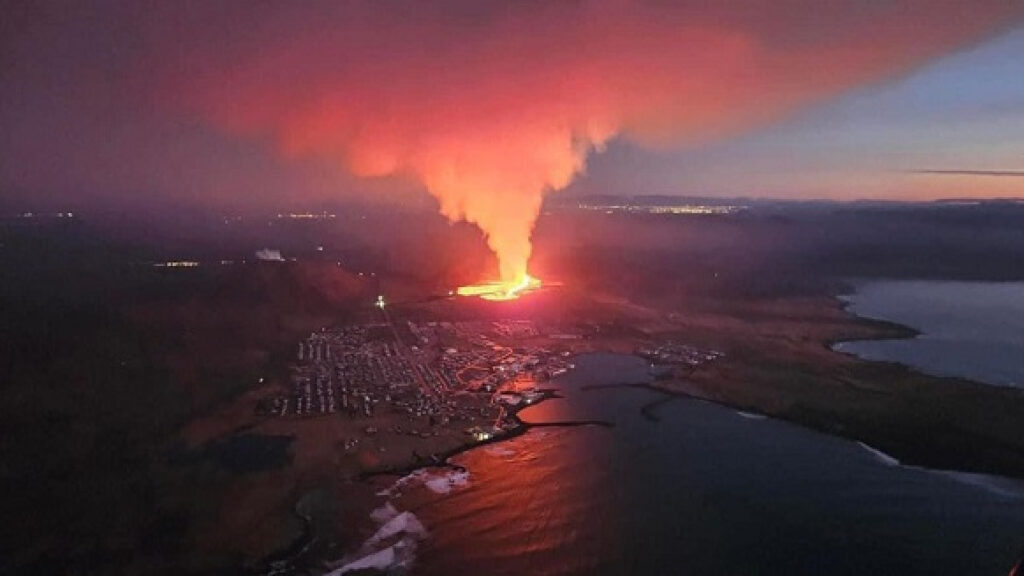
[(489, 114), (499, 290)]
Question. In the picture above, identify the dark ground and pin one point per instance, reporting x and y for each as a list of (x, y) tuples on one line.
[(104, 358)]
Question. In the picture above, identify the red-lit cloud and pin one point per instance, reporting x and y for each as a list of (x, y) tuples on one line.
[(491, 106)]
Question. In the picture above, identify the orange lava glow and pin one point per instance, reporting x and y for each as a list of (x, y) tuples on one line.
[(500, 291), (489, 114)]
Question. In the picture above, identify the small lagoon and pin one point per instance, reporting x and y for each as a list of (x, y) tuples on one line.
[(971, 330)]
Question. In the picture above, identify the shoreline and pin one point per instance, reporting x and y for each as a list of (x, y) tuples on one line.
[(905, 332), (1001, 461), (899, 442), (283, 559), (521, 427), (1001, 486), (442, 460), (903, 459)]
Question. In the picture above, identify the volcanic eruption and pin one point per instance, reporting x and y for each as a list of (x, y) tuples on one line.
[(490, 106), (501, 290)]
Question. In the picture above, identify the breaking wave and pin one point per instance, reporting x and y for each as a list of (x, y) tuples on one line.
[(750, 415), (998, 485), (392, 546), (880, 456), (438, 481)]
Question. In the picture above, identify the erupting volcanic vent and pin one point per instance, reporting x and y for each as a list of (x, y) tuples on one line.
[(490, 106), (501, 290)]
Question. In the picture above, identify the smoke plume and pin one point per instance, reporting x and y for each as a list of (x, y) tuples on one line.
[(491, 106)]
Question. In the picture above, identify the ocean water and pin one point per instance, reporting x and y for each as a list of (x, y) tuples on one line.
[(969, 329), (701, 489)]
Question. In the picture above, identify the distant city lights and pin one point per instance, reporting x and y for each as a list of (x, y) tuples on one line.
[(177, 264), (45, 215), (307, 215), (674, 209)]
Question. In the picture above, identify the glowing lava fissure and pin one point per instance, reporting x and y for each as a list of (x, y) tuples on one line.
[(500, 291)]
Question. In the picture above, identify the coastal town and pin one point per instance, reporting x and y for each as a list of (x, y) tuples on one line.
[(424, 379), (438, 375), (669, 359)]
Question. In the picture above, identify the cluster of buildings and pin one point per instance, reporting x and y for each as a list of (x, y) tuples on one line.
[(344, 371), (435, 373), (484, 356), (679, 354)]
